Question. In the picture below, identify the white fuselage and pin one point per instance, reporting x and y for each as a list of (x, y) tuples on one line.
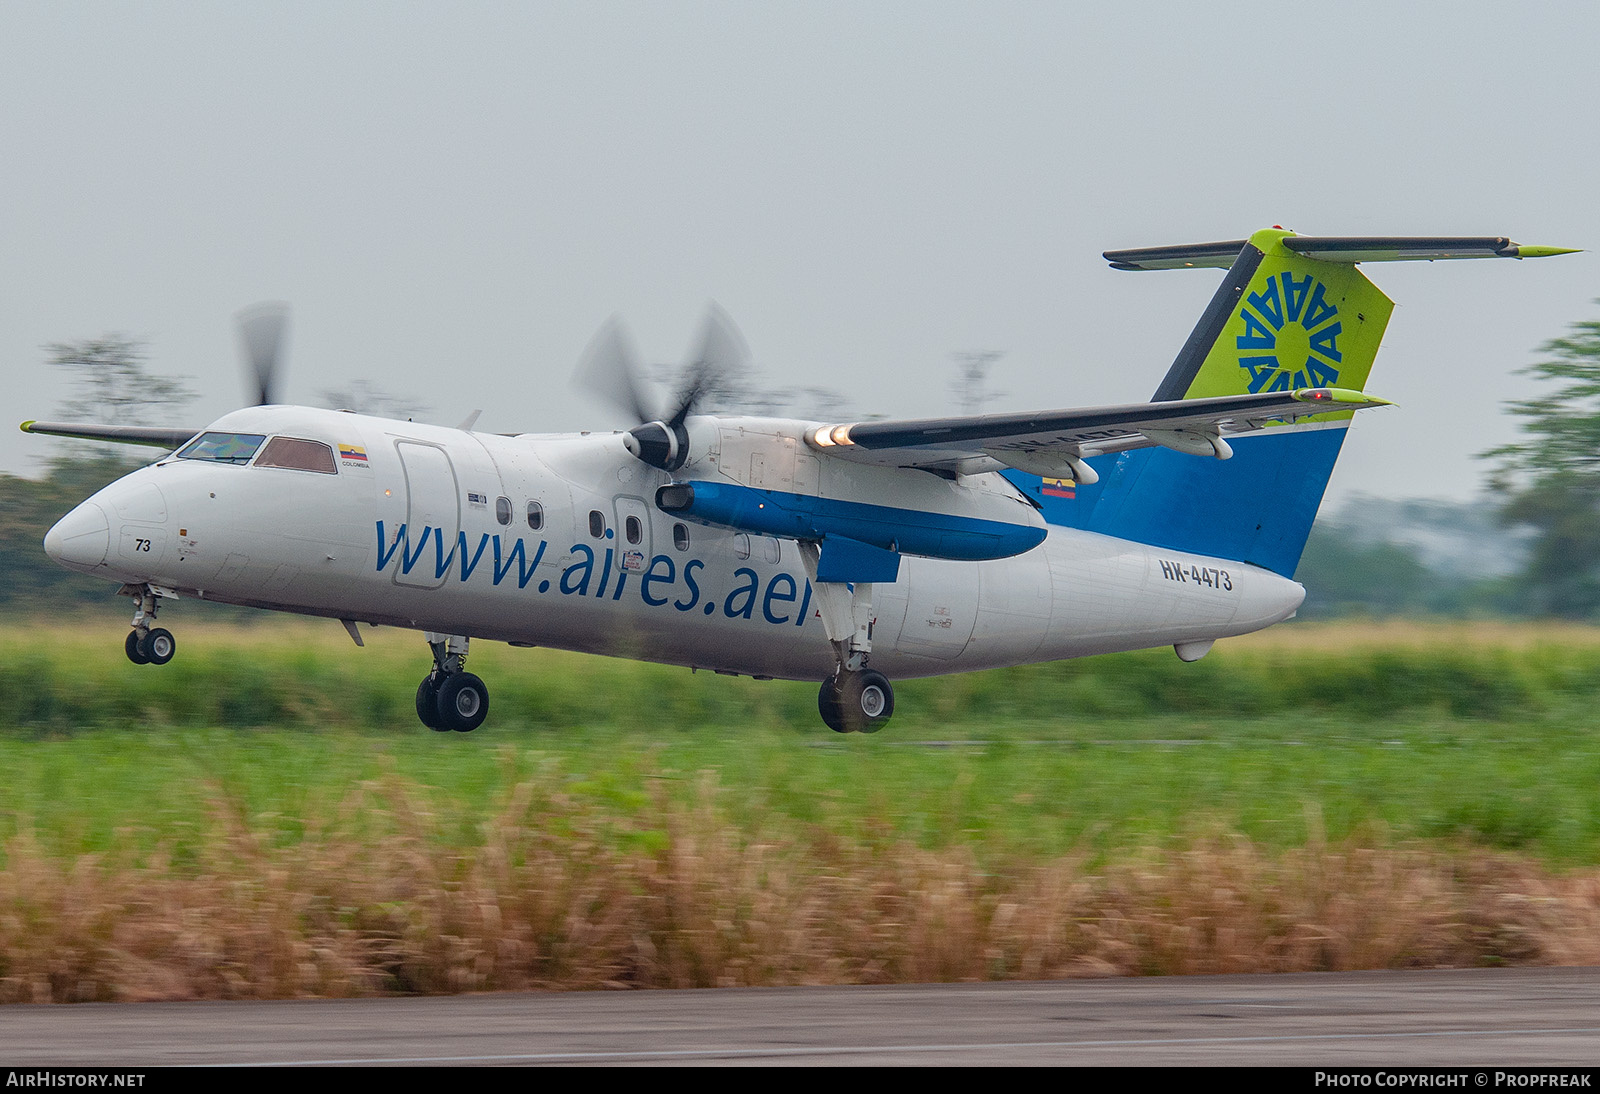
[(430, 528)]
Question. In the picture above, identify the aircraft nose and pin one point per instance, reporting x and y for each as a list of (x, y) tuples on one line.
[(80, 539)]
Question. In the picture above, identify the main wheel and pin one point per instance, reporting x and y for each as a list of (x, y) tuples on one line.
[(428, 702), (828, 705), (866, 701), (158, 646), (132, 648), (463, 702)]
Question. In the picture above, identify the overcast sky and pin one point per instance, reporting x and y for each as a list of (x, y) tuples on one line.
[(453, 197)]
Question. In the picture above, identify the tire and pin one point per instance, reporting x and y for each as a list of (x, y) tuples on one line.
[(428, 703), (132, 648), (866, 701), (158, 646), (828, 706), (463, 702)]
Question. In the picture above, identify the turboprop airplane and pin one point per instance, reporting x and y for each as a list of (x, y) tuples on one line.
[(780, 548)]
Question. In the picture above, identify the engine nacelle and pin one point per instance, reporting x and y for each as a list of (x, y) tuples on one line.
[(930, 533)]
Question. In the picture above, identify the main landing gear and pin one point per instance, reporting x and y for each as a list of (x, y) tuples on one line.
[(856, 702), (147, 645), (450, 698), (855, 699)]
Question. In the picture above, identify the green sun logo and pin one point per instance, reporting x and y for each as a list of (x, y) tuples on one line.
[(1291, 335)]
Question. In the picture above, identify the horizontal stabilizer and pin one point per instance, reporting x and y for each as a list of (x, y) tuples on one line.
[(1197, 256), (154, 436), (1346, 250)]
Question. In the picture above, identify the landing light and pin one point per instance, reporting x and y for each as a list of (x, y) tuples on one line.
[(829, 436)]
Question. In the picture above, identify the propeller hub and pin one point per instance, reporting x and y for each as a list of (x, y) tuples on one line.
[(658, 444)]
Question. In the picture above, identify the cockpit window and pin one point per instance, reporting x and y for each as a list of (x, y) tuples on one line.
[(223, 447), (297, 455)]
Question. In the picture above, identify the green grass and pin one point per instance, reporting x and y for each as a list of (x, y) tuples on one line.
[(1428, 737), (266, 817)]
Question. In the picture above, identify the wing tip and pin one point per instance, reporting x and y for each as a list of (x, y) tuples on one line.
[(1525, 250), (1339, 396)]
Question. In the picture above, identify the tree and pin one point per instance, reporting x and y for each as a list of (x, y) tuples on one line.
[(971, 385), (363, 398), (110, 381), (1550, 479), (109, 384)]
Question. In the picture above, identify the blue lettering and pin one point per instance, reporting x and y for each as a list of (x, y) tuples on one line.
[(787, 597), (1325, 342), (525, 569), (800, 620), (1256, 335), (407, 558), (622, 583), (587, 566), (1294, 294), (605, 573), (747, 591), (650, 577), (1319, 311), (694, 589), (461, 545), (441, 561), (385, 556), (1268, 304), (1321, 375), (517, 555), (1261, 369)]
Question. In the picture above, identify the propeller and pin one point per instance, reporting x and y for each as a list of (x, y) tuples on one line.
[(262, 332), (610, 368)]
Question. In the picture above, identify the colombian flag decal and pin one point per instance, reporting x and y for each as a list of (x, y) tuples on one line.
[(352, 452), (1060, 488)]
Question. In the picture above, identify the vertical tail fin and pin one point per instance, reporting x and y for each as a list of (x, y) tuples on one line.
[(1292, 312), (1281, 320)]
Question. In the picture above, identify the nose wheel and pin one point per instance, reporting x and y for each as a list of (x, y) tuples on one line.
[(861, 701), (154, 647), (147, 645)]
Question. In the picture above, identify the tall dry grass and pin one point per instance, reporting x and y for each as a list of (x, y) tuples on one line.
[(380, 897)]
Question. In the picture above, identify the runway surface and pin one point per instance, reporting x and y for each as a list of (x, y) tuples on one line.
[(1459, 1018)]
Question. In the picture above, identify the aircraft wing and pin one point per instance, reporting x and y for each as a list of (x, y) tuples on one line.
[(154, 436), (1054, 443)]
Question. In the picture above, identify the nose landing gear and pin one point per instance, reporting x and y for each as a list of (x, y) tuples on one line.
[(147, 645), (448, 697)]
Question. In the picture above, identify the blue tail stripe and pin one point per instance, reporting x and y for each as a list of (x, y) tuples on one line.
[(1257, 507)]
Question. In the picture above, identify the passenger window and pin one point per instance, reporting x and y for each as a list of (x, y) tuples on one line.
[(502, 510), (535, 515), (741, 545), (633, 529), (680, 536), (597, 523), (297, 455), (223, 447), (774, 550)]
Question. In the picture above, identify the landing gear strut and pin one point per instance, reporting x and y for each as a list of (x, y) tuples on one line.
[(147, 645), (450, 698), (855, 699)]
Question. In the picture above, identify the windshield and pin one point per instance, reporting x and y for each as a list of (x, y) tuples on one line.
[(223, 447)]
